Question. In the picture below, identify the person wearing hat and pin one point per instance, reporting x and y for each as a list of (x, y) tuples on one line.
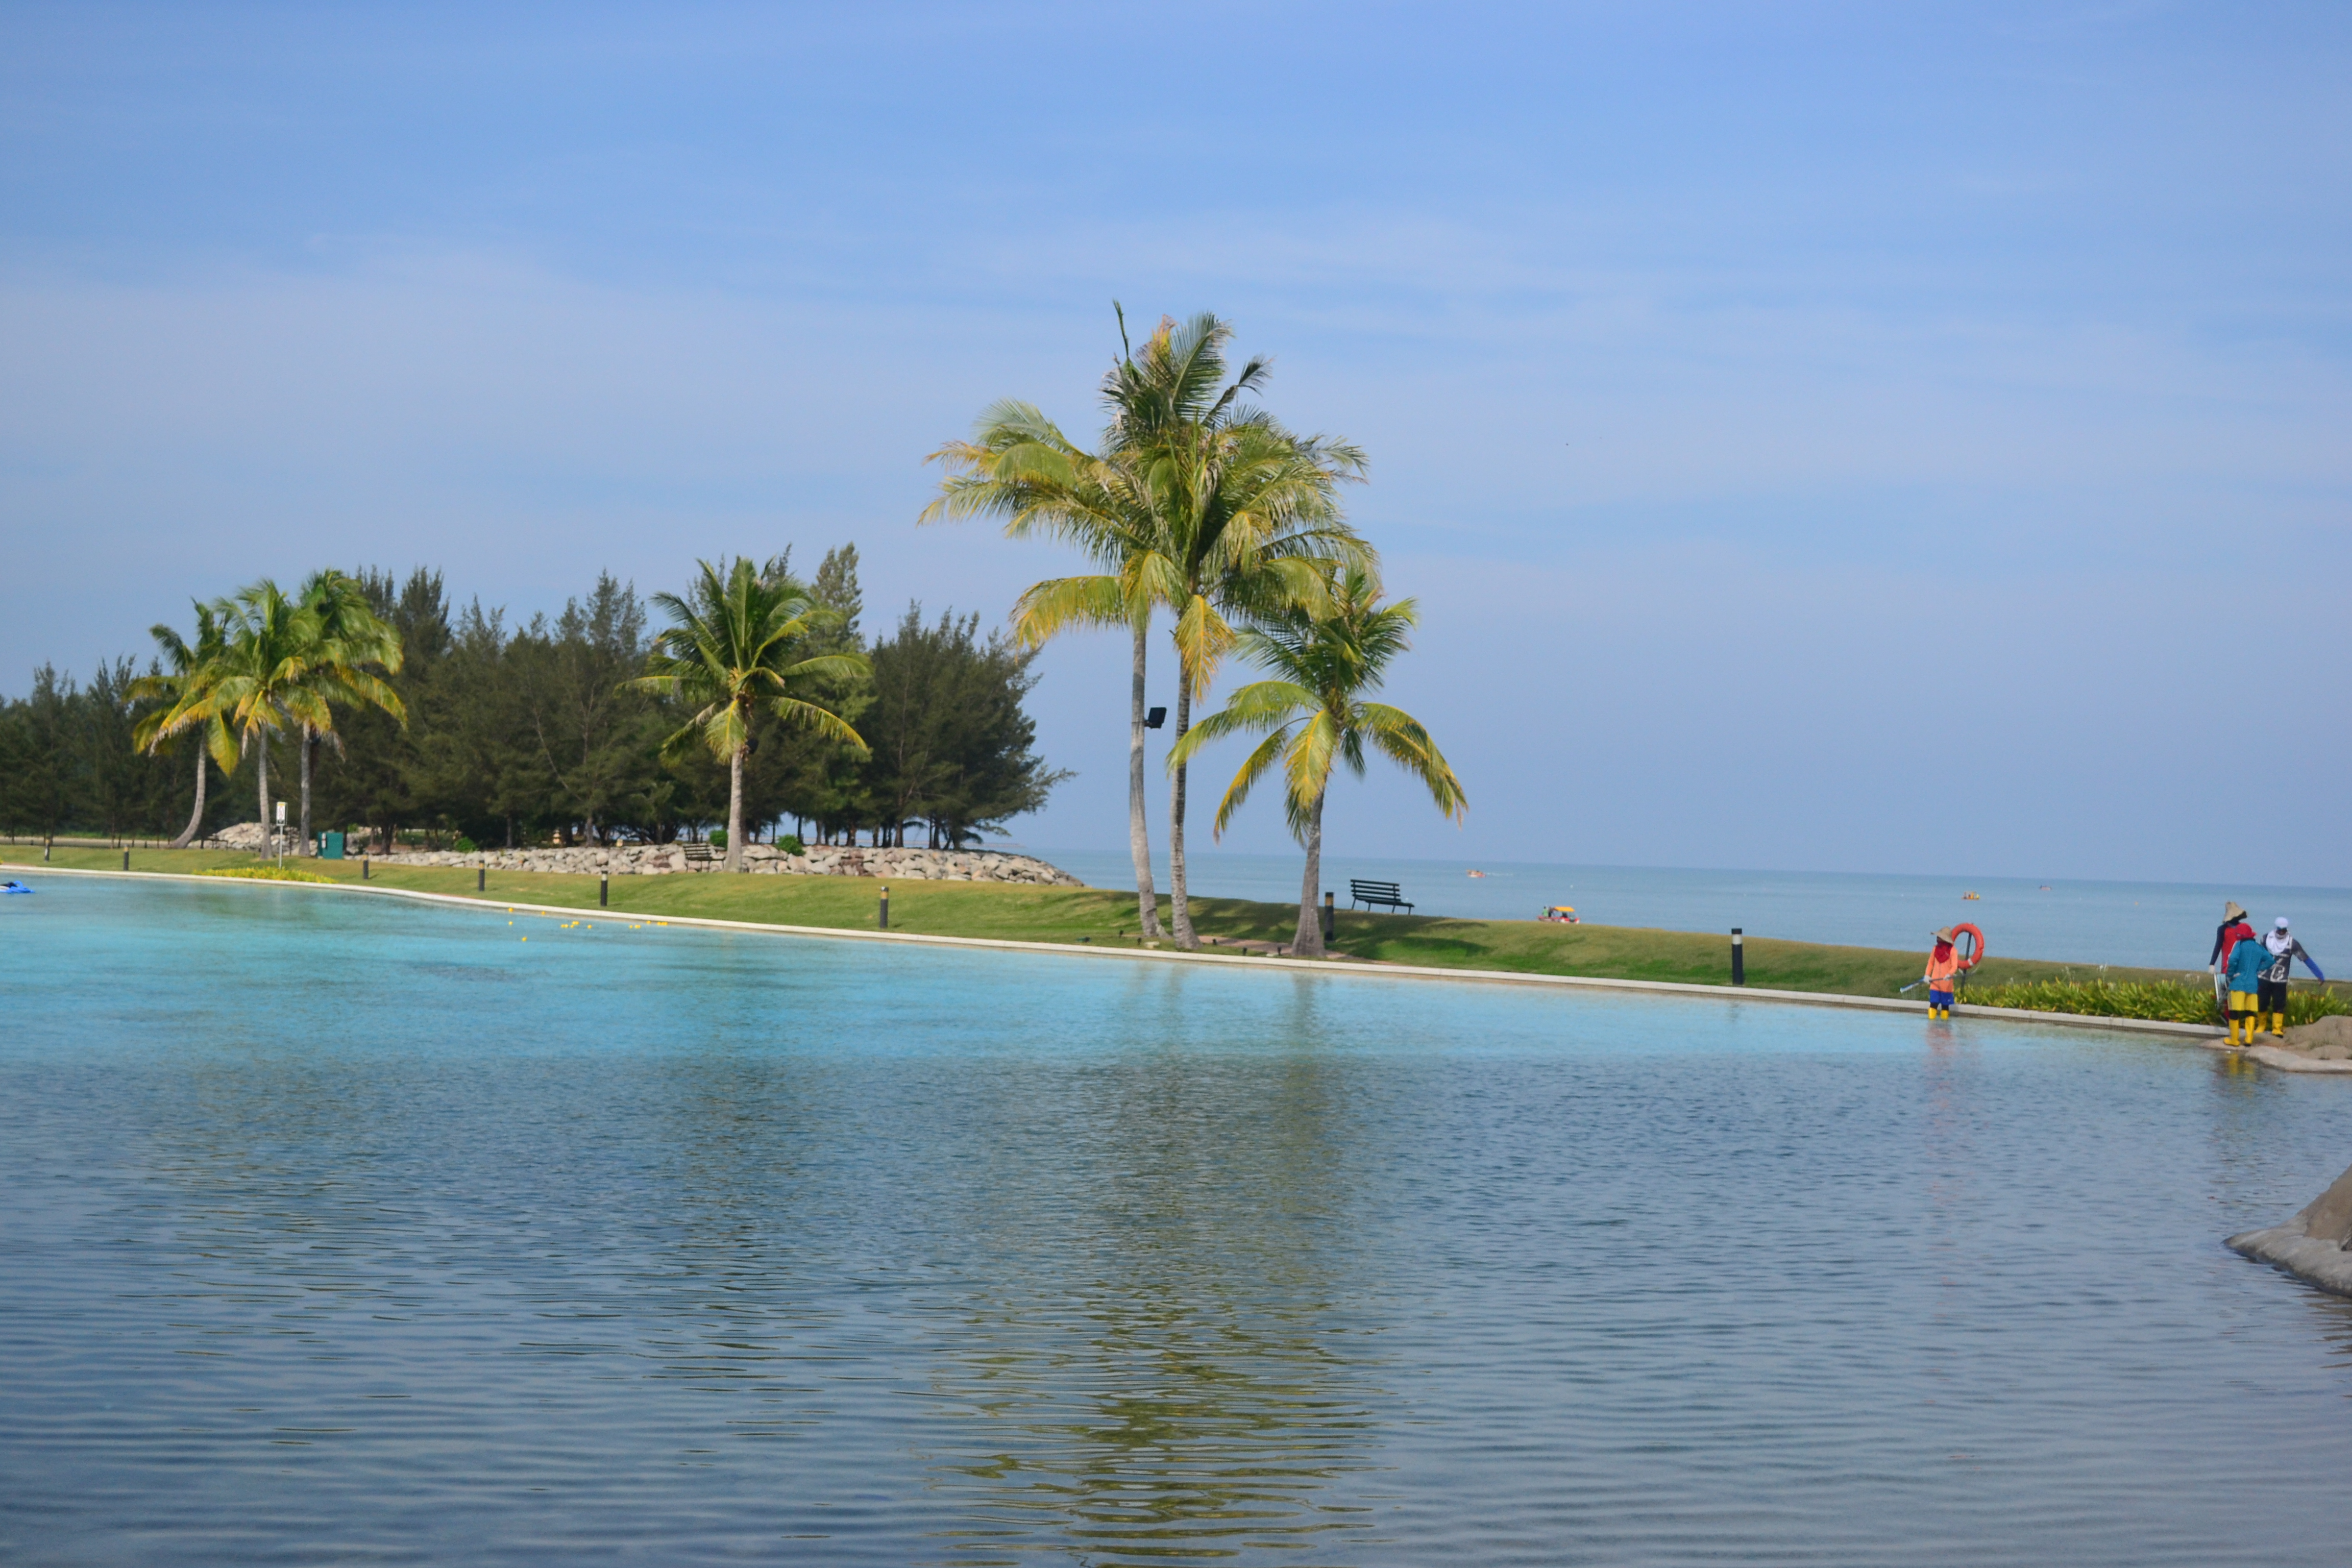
[(2271, 997), (2233, 931), (1943, 967), (2248, 959)]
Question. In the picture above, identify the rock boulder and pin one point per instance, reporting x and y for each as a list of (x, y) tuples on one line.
[(2315, 1245)]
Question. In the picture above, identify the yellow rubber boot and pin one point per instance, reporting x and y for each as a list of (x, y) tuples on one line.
[(2278, 1025), (2233, 1031)]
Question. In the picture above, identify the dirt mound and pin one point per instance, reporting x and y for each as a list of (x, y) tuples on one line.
[(2327, 1039)]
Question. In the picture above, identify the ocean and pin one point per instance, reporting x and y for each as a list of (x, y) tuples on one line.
[(2157, 925)]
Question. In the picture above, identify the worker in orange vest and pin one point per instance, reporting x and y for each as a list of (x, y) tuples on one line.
[(1943, 967)]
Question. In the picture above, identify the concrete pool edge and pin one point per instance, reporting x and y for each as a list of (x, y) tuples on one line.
[(2200, 1033)]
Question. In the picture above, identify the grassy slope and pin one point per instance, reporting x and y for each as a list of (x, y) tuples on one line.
[(1072, 914)]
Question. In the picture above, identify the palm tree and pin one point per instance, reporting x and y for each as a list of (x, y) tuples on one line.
[(1019, 466), (182, 685), (347, 637), (255, 685), (1249, 513), (1313, 714), (732, 648), (1195, 503)]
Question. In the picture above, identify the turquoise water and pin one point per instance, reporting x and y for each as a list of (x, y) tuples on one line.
[(2157, 925), (348, 1230)]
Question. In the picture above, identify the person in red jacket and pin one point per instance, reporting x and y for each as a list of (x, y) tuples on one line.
[(2233, 931), (1943, 967)]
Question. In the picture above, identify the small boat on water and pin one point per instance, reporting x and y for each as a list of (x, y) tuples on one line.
[(1477, 873), (1968, 897)]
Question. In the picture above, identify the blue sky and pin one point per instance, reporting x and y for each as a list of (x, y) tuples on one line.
[(1905, 438)]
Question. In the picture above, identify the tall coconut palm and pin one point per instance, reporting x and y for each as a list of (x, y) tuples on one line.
[(1195, 503), (255, 684), (734, 648), (1249, 513), (1020, 466), (347, 637), (1314, 714), (182, 684)]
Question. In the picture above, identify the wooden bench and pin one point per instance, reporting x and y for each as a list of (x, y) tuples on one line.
[(1377, 895), (697, 855)]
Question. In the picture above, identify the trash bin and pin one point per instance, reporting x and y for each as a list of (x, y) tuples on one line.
[(331, 847)]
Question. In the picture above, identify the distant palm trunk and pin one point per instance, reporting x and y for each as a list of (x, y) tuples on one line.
[(1179, 907), (1139, 827), (261, 774), (302, 845), (1308, 942), (196, 817), (734, 861)]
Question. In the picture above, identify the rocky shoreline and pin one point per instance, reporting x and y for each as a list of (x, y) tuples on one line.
[(759, 859)]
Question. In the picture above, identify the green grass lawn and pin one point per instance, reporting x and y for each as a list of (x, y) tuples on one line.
[(1107, 919)]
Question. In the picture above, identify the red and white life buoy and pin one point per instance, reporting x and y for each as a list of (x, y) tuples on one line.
[(1973, 954)]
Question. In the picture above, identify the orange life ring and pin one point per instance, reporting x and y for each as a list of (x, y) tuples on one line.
[(1976, 952)]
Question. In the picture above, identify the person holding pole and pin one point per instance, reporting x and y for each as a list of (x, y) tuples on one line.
[(1942, 976), (2233, 931)]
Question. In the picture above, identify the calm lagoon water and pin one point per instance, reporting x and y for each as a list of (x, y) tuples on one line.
[(2159, 925), (346, 1230)]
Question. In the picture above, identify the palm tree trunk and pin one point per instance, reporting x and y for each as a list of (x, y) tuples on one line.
[(302, 845), (261, 773), (734, 861), (1308, 942), (196, 817), (1178, 907), (1139, 829)]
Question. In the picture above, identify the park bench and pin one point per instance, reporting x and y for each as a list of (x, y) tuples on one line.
[(1377, 895), (697, 855)]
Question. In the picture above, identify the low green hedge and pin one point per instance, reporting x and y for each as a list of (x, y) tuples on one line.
[(2175, 1001)]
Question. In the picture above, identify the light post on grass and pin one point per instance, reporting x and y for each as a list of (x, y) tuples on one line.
[(278, 837)]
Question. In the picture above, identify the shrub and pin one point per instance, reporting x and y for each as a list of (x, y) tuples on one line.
[(268, 874), (718, 838), (2175, 1001), (466, 845), (790, 844)]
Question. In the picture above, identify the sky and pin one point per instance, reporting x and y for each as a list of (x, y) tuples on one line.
[(1818, 436)]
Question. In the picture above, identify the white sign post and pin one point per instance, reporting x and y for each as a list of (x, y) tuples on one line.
[(280, 834)]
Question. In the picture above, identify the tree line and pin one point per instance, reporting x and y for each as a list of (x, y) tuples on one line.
[(379, 706)]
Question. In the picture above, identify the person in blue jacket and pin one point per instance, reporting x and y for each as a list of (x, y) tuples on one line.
[(2246, 962)]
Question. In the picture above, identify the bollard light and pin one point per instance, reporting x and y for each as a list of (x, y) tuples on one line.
[(1330, 915), (885, 924), (1739, 959), (126, 860), (364, 868), (481, 879), (603, 889)]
